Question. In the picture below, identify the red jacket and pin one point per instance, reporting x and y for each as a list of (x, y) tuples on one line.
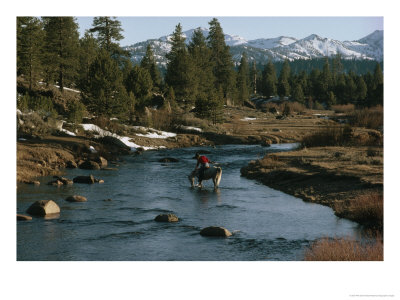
[(202, 160)]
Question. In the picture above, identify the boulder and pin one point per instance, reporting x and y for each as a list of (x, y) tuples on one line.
[(110, 140), (71, 164), (266, 143), (55, 183), (84, 179), (76, 198), (215, 231), (23, 217), (168, 159), (34, 182), (166, 218), (63, 180), (43, 207), (89, 165), (101, 161)]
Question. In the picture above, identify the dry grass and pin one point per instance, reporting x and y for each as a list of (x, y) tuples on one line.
[(285, 107), (328, 136), (368, 118), (347, 108), (345, 249), (162, 120), (365, 209)]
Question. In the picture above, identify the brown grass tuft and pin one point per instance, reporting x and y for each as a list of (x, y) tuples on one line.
[(345, 249), (346, 108), (365, 209), (329, 136), (368, 118)]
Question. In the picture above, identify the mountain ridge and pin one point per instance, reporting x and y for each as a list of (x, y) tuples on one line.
[(279, 48)]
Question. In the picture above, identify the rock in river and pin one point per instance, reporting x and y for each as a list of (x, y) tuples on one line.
[(76, 198), (215, 231), (43, 207), (89, 165), (166, 218), (84, 179), (23, 217)]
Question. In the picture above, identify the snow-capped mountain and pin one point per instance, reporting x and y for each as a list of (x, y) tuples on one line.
[(271, 43), (276, 49)]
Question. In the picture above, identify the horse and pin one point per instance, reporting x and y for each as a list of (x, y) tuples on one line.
[(213, 173)]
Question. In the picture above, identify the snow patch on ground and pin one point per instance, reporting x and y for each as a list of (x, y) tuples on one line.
[(68, 132), (126, 139), (248, 119)]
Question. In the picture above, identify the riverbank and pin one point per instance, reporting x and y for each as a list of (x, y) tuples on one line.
[(44, 154), (50, 155), (336, 177)]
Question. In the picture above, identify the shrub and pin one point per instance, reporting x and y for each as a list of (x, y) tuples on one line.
[(33, 124), (329, 136), (345, 249), (76, 111), (365, 209), (318, 106), (106, 124), (37, 103), (345, 108), (368, 117), (162, 120)]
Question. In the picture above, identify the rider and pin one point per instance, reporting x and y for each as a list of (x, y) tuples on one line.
[(203, 161)]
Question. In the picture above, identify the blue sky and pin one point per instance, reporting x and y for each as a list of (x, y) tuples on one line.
[(138, 29)]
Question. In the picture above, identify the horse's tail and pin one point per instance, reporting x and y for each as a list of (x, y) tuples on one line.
[(219, 175)]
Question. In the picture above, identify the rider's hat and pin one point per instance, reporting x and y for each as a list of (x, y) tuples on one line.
[(197, 155)]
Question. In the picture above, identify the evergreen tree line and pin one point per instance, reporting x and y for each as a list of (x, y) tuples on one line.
[(199, 74), (330, 85), (202, 73), (49, 50)]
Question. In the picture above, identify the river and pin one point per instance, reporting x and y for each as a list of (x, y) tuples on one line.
[(117, 222)]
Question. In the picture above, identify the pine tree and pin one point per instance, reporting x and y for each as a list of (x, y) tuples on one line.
[(269, 80), (253, 78), (87, 54), (283, 81), (243, 85), (298, 94), (106, 94), (314, 83), (29, 48), (180, 70), (223, 67), (351, 88), (149, 63), (337, 67), (331, 99), (361, 90), (210, 106), (377, 86), (200, 56), (108, 30), (61, 49), (340, 88), (325, 80), (139, 82)]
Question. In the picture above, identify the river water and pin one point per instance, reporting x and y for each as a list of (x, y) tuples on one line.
[(267, 224)]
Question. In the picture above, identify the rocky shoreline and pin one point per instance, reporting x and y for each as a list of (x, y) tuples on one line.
[(331, 176)]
